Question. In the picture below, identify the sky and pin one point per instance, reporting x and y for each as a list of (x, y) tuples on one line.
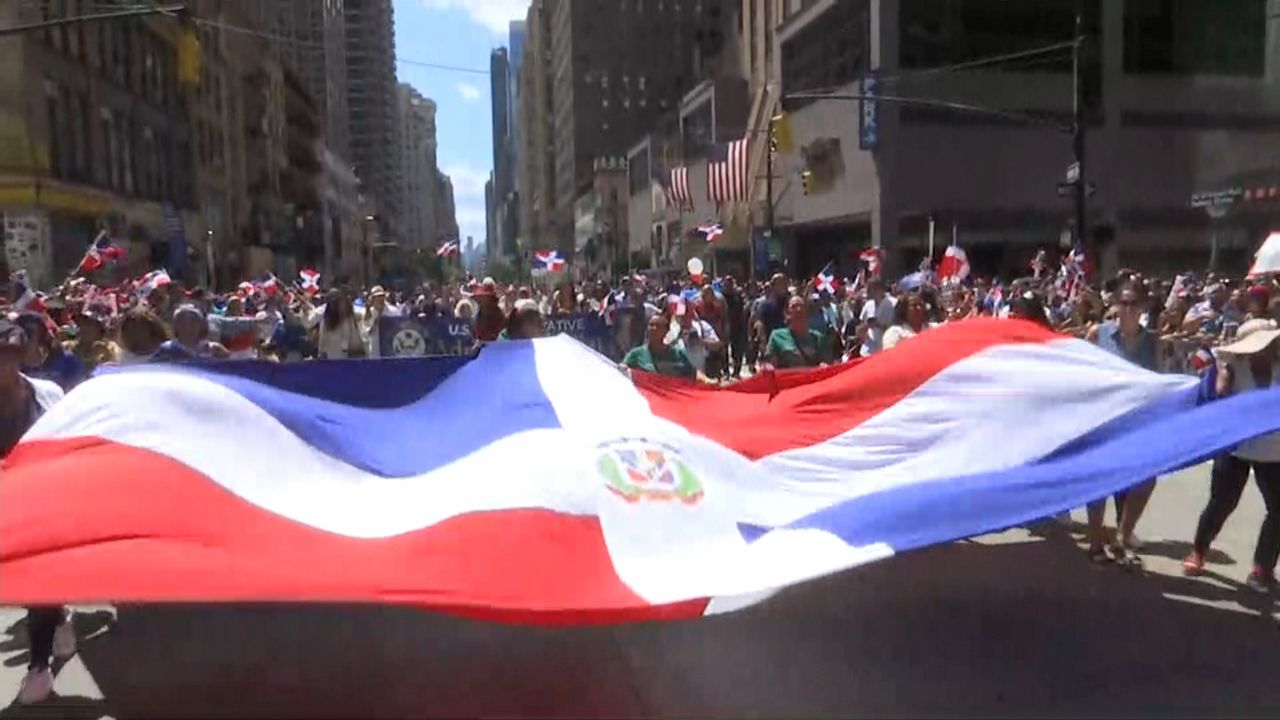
[(459, 33)]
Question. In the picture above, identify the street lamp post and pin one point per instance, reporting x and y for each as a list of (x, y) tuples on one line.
[(368, 250), (1078, 129)]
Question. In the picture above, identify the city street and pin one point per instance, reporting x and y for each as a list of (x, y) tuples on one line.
[(1010, 625)]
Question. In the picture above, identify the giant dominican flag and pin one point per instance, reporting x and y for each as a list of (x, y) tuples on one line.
[(537, 483)]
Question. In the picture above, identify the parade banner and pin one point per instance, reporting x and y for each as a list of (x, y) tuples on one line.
[(419, 336)]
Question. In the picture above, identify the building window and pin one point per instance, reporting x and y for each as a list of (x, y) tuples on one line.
[(57, 122), (831, 51), (696, 132), (940, 33), (112, 155), (127, 157), (81, 153), (936, 33), (1195, 37)]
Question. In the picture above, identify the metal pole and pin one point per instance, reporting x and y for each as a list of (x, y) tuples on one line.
[(768, 210), (931, 228), (368, 253), (1078, 128), (139, 12)]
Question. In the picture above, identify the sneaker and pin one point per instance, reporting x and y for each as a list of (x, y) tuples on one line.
[(37, 686), (1193, 564), (64, 640), (1260, 581)]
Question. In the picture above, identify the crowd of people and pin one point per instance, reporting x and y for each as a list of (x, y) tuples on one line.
[(703, 329)]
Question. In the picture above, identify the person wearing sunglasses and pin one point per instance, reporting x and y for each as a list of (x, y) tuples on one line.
[(1124, 336)]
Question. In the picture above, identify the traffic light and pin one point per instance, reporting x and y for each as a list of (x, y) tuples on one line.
[(780, 139), (806, 181)]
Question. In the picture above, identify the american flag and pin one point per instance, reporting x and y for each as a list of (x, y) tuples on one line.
[(678, 192), (727, 172), (448, 248)]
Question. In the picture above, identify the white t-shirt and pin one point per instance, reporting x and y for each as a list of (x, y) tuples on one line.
[(895, 335), (335, 344), (47, 393), (695, 346), (1267, 447), (882, 313)]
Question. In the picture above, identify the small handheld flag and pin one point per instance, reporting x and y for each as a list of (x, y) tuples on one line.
[(711, 231), (825, 280), (448, 249), (954, 267), (549, 260), (100, 251), (309, 281)]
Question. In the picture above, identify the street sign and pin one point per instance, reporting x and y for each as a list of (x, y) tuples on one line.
[(1073, 173), (1066, 189), (869, 115), (1217, 199)]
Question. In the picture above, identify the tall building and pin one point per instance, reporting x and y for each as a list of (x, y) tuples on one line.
[(536, 154), (503, 207), (446, 211), (95, 133), (1174, 110), (609, 85), (418, 151), (373, 109), (1180, 99), (309, 36), (518, 37), (492, 246)]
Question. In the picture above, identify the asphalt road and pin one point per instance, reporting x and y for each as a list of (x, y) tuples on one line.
[(1016, 624)]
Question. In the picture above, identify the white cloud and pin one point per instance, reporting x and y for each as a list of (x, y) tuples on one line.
[(469, 92), (493, 14)]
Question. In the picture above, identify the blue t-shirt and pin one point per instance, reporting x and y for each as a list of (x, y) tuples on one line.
[(1143, 353), (61, 367)]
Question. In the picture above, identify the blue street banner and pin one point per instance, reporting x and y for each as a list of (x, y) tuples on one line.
[(176, 262), (869, 115), (418, 336)]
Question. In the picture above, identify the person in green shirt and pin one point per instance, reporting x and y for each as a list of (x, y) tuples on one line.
[(796, 346), (656, 356)]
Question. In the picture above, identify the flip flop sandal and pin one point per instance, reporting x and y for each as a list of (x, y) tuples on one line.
[(1099, 556), (1126, 559)]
